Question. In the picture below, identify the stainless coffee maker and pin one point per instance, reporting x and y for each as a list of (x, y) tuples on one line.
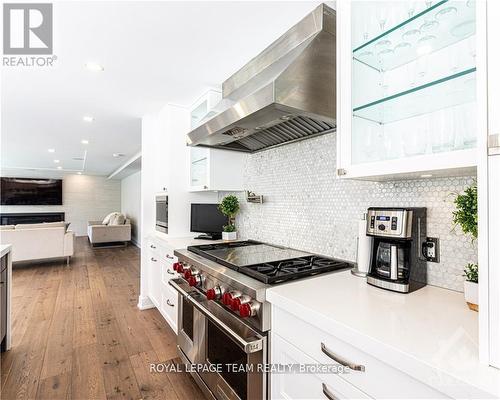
[(398, 233)]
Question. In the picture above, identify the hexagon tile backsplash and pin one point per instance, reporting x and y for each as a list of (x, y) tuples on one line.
[(307, 208)]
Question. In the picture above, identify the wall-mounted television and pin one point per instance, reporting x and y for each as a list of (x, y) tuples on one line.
[(30, 192)]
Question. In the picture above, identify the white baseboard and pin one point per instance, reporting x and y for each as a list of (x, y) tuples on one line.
[(136, 243), (145, 303)]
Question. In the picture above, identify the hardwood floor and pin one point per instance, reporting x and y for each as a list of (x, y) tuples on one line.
[(78, 334)]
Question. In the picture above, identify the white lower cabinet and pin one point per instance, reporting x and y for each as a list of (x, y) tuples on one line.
[(160, 270), (300, 385), (154, 277), (368, 377), (168, 306)]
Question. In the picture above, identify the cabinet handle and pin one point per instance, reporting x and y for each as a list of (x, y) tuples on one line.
[(153, 246), (205, 187), (170, 272), (329, 395), (340, 360), (169, 303), (153, 259), (341, 171), (170, 257)]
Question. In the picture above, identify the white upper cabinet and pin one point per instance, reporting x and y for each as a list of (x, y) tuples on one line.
[(213, 169), (407, 88)]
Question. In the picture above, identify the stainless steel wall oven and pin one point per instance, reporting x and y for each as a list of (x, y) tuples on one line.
[(162, 213)]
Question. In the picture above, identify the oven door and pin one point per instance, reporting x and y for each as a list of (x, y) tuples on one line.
[(190, 322), (228, 345)]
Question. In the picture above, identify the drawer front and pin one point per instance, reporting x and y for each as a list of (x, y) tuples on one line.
[(327, 386), (162, 251), (378, 379), (169, 306)]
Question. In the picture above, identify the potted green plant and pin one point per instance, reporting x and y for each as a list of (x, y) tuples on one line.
[(471, 286), (465, 215), (229, 206)]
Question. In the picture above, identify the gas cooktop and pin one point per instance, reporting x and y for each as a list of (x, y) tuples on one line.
[(267, 263)]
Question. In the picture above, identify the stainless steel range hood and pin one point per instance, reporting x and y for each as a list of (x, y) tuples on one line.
[(286, 93)]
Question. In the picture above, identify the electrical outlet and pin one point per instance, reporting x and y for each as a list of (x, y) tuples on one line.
[(430, 249)]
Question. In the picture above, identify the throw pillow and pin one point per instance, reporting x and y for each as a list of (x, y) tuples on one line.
[(108, 217), (118, 219)]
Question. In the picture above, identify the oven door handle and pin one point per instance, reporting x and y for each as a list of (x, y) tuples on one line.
[(248, 346)]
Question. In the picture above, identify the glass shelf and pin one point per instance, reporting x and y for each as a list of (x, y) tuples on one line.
[(439, 26), (459, 88)]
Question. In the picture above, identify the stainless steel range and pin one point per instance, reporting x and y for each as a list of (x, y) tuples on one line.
[(224, 318)]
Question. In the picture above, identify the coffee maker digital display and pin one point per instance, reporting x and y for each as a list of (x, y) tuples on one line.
[(398, 233)]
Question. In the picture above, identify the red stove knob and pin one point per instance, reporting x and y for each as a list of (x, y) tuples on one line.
[(177, 267), (246, 310), (187, 274), (238, 301), (227, 298), (194, 280), (235, 304), (214, 293), (249, 309)]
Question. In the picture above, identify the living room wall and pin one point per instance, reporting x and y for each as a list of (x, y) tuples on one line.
[(131, 204), (85, 198)]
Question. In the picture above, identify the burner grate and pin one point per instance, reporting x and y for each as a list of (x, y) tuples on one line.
[(281, 271)]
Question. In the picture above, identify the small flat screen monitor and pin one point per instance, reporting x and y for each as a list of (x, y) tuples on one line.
[(207, 219)]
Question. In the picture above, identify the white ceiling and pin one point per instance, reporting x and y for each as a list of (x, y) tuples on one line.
[(152, 52)]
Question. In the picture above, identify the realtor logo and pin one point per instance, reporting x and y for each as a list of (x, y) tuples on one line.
[(27, 28)]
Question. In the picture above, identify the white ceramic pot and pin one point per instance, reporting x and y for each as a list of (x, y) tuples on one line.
[(229, 235), (471, 294)]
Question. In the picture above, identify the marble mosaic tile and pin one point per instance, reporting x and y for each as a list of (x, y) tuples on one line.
[(307, 208)]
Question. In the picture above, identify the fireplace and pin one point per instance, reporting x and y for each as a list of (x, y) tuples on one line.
[(30, 218)]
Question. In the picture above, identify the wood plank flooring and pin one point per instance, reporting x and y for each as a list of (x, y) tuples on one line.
[(78, 334)]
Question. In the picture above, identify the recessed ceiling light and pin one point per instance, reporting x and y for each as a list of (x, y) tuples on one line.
[(88, 118), (426, 175), (56, 161), (52, 150), (79, 173), (92, 66), (116, 155), (85, 141), (59, 167)]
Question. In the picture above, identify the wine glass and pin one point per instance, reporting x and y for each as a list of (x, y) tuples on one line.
[(383, 43), (411, 33), (429, 24)]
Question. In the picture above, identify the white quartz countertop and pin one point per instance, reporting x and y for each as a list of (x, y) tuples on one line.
[(4, 249), (178, 243), (431, 328)]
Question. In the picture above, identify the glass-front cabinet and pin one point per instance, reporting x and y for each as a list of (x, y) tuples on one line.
[(407, 80), (213, 169)]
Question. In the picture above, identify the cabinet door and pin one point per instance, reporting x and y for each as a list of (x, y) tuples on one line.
[(199, 176), (169, 306), (154, 276), (407, 87), (303, 385), (493, 12)]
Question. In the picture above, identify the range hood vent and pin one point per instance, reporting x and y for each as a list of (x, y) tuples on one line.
[(286, 93)]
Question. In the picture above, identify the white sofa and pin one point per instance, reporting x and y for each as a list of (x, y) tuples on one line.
[(38, 241), (104, 234)]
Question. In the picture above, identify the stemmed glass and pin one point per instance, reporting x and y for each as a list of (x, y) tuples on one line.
[(429, 24), (411, 35)]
